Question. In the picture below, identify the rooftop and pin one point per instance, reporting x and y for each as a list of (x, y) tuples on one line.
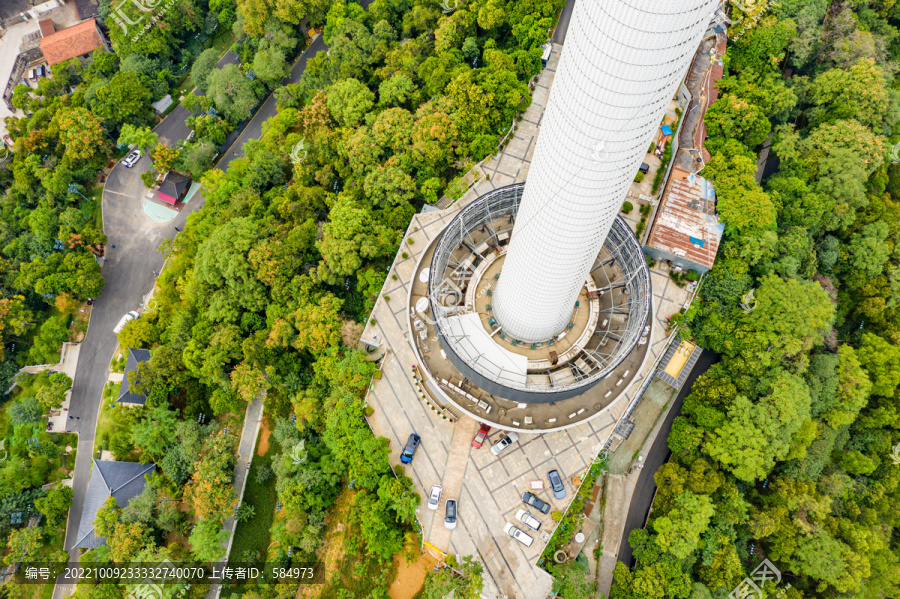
[(687, 224), (122, 480), (87, 9), (47, 27), (126, 395), (75, 41)]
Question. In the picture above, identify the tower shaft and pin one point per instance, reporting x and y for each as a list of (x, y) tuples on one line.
[(622, 63)]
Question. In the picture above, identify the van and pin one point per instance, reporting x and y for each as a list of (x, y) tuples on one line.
[(547, 51), (125, 320)]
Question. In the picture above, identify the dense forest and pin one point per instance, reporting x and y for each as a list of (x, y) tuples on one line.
[(265, 289), (783, 450)]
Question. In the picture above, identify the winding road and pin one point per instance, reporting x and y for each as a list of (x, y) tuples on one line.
[(130, 272)]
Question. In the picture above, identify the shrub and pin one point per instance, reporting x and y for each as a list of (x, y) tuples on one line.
[(377, 374), (640, 229), (556, 515), (627, 207), (393, 277), (645, 209), (369, 410), (639, 177), (387, 298), (410, 241), (404, 255), (652, 148)]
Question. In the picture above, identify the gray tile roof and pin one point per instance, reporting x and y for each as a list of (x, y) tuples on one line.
[(135, 357), (122, 480)]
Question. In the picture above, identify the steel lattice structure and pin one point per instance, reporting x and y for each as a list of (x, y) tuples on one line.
[(493, 215)]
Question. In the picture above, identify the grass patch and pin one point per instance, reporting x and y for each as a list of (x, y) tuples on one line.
[(356, 574), (114, 422), (252, 537)]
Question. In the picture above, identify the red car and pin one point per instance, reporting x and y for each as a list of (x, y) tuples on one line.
[(478, 441)]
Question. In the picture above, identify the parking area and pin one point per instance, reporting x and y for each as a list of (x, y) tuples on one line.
[(491, 487)]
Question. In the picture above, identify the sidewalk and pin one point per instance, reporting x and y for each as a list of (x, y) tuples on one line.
[(246, 449)]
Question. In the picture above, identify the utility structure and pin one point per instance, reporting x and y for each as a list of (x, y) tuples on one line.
[(620, 68), (538, 292)]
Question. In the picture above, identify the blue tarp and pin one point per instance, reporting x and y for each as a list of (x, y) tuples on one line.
[(666, 130)]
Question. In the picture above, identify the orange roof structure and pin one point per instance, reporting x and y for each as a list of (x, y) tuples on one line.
[(69, 43), (687, 230), (47, 27)]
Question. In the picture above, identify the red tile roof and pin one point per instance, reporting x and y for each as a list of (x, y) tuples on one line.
[(47, 27), (69, 43)]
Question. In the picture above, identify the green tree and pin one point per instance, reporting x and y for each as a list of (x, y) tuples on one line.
[(208, 540), (680, 529), (107, 517), (155, 433), (55, 505), (142, 137), (348, 100), (24, 543), (123, 100), (271, 66), (231, 92), (53, 392), (881, 361), (203, 66), (25, 411)]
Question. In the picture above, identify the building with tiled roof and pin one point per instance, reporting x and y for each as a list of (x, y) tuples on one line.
[(127, 394), (87, 9), (73, 42), (686, 231), (121, 480)]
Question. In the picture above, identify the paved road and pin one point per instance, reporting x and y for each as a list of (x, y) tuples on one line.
[(656, 457), (559, 36), (173, 128), (130, 274)]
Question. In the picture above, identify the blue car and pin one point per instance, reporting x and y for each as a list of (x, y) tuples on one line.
[(556, 483), (406, 456)]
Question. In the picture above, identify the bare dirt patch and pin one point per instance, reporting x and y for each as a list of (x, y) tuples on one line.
[(333, 547), (410, 575), (264, 433)]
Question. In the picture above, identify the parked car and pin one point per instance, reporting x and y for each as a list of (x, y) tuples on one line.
[(480, 436), (528, 520), (434, 500), (517, 534), (132, 159), (530, 499), (8, 141), (507, 440), (450, 514), (644, 168), (556, 483), (125, 320), (412, 444)]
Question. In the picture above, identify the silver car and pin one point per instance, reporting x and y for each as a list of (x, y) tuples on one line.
[(450, 514), (517, 534), (132, 159), (528, 520), (507, 440)]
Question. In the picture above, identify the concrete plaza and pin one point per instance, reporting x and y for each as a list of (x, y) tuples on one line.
[(488, 488)]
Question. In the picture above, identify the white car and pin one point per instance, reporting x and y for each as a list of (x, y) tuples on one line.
[(528, 520), (435, 499), (450, 514), (132, 159), (507, 440), (125, 320), (517, 534)]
